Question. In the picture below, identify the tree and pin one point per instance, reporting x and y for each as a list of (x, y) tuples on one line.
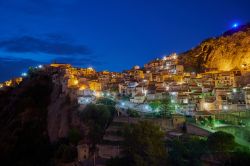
[(105, 101), (74, 136), (239, 158), (133, 113), (155, 104), (221, 142), (188, 151), (143, 144), (66, 153), (97, 117), (167, 107)]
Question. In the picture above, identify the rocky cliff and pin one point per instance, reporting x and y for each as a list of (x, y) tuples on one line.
[(35, 123), (41, 124), (228, 51)]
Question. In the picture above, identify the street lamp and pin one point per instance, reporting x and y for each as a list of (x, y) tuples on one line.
[(24, 74), (122, 103), (234, 90), (225, 107), (146, 107)]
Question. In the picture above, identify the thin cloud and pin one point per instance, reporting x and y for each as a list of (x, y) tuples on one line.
[(30, 44)]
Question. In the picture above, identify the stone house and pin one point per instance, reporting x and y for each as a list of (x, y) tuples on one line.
[(82, 152)]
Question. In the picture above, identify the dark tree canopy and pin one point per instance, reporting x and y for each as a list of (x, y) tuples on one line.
[(144, 144), (221, 142), (97, 117)]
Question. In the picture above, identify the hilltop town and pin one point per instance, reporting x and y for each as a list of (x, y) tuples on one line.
[(191, 92), (169, 92)]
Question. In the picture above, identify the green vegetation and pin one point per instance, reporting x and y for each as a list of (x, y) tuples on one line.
[(66, 153), (143, 145), (163, 108), (97, 118), (207, 121), (74, 136), (133, 113), (186, 152), (64, 150), (106, 101), (219, 146), (221, 142)]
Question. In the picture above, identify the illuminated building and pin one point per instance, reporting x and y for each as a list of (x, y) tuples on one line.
[(138, 98), (72, 82), (95, 86)]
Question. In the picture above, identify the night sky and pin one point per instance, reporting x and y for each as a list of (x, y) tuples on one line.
[(107, 34)]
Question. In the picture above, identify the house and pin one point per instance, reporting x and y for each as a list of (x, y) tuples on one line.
[(178, 121), (207, 104), (247, 96), (138, 98), (85, 99), (227, 78), (82, 152), (148, 76), (95, 85), (156, 64)]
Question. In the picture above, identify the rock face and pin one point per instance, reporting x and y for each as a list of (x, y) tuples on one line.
[(62, 115), (23, 125), (58, 115), (35, 114), (230, 50)]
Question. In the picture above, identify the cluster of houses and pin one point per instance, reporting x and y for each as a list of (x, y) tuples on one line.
[(210, 91), (11, 83)]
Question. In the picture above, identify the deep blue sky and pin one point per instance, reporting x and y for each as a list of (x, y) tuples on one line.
[(107, 34)]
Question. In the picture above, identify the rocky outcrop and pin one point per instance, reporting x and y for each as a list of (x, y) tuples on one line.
[(58, 116), (230, 50), (23, 113), (62, 115)]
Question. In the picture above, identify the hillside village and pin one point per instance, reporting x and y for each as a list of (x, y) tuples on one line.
[(211, 93), (192, 92)]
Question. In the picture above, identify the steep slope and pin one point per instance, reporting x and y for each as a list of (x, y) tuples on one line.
[(35, 123), (230, 50), (23, 113), (41, 125)]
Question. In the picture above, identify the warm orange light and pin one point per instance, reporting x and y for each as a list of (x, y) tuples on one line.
[(98, 94), (75, 82), (8, 83), (82, 87), (18, 80)]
